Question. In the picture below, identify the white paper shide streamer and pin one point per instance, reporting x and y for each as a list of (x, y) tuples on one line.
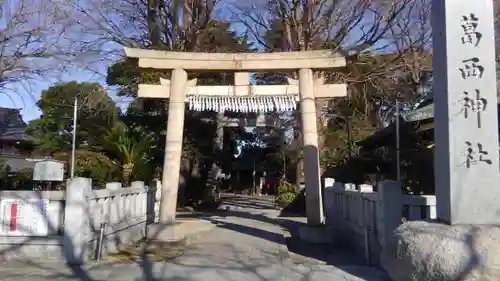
[(242, 104)]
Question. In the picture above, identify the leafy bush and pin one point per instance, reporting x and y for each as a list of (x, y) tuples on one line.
[(286, 193), (4, 169), (14, 181), (89, 164), (285, 187), (286, 198)]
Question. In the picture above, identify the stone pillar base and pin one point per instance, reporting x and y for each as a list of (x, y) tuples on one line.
[(320, 234), (180, 231), (435, 251)]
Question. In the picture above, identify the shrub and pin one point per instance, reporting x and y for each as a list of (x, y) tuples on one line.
[(89, 164), (286, 198), (286, 193), (285, 187)]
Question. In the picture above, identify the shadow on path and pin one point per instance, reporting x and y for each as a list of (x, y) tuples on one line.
[(301, 252), (206, 260)]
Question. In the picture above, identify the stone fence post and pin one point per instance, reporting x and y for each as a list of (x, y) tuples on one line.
[(113, 185), (154, 195), (114, 206), (137, 184), (389, 210), (329, 201), (77, 229), (135, 203), (328, 182)]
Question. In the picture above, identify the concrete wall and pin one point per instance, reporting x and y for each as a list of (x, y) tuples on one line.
[(66, 224)]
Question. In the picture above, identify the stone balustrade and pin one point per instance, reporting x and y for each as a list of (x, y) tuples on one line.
[(66, 224), (363, 217)]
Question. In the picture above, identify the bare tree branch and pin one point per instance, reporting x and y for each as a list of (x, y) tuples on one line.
[(30, 43)]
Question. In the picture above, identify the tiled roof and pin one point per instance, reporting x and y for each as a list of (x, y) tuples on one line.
[(17, 163), (12, 126)]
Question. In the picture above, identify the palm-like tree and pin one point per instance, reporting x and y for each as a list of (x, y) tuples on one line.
[(131, 146)]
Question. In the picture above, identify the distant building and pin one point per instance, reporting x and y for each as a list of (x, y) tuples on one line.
[(16, 146)]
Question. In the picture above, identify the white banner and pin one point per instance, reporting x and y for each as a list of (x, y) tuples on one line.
[(24, 218)]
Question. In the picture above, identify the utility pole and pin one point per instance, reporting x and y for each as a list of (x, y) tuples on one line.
[(254, 174), (398, 152), (75, 116)]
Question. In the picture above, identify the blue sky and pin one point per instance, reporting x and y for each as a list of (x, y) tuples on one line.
[(24, 97)]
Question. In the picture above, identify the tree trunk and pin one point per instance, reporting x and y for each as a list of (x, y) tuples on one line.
[(299, 167), (218, 144), (127, 170), (321, 133), (153, 28)]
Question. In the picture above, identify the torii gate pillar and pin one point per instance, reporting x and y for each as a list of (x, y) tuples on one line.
[(314, 199), (173, 147)]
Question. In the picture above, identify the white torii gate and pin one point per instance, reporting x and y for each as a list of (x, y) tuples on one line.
[(241, 97)]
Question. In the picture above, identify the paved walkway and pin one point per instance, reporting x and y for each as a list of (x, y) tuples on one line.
[(246, 245)]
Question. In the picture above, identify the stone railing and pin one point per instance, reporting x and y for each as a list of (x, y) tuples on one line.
[(66, 224), (364, 219)]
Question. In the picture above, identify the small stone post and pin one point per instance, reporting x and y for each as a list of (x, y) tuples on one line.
[(389, 210), (115, 205), (115, 214), (113, 185), (329, 182), (329, 206), (137, 184), (364, 221), (77, 229), (138, 201), (154, 195), (314, 201)]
